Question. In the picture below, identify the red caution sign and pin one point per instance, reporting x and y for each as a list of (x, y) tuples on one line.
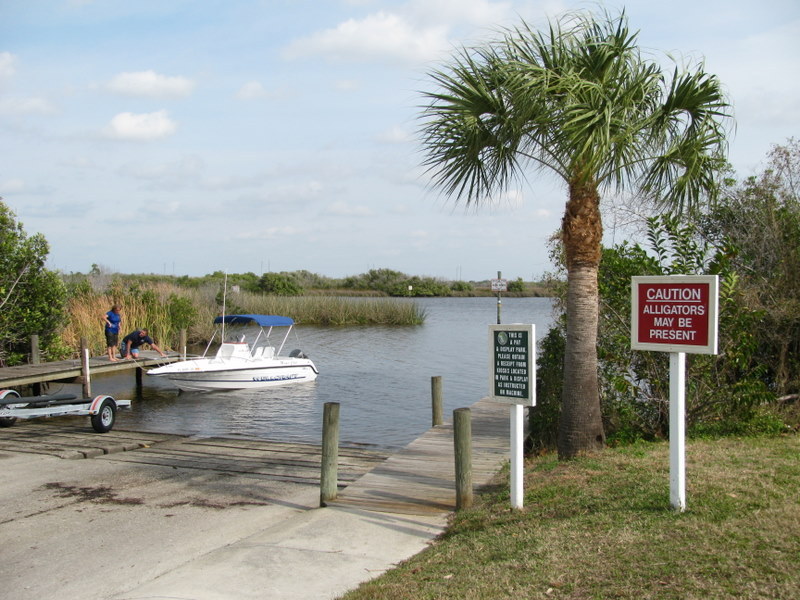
[(675, 313)]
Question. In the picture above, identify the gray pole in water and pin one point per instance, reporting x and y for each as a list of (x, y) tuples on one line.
[(499, 302)]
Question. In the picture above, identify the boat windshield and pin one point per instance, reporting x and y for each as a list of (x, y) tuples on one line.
[(258, 339)]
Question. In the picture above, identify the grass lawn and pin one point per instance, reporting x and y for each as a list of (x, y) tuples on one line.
[(601, 527)]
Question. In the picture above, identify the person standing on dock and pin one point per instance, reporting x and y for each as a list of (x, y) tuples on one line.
[(132, 341), (113, 322)]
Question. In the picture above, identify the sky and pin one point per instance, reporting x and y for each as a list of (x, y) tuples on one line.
[(185, 137)]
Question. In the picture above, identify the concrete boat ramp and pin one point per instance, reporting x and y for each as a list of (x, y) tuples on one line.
[(154, 516)]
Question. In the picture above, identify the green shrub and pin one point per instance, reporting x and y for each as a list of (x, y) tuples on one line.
[(725, 392), (279, 284)]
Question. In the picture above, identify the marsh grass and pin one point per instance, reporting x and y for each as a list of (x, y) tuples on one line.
[(601, 527), (164, 309)]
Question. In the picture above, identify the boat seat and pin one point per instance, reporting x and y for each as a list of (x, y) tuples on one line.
[(258, 352)]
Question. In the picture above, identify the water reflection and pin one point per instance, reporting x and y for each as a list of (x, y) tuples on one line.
[(380, 375)]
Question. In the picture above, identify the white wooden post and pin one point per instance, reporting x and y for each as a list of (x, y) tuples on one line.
[(87, 377), (677, 430), (517, 459)]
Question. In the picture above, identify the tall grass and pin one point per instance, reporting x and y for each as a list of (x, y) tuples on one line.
[(164, 309), (333, 310)]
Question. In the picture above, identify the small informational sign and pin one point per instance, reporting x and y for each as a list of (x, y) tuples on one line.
[(512, 356), (675, 313), (499, 285)]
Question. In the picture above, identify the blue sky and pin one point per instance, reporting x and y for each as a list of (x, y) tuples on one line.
[(187, 137)]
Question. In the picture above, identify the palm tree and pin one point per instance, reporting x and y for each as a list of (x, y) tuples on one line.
[(580, 100)]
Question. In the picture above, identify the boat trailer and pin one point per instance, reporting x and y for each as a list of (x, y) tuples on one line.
[(101, 409)]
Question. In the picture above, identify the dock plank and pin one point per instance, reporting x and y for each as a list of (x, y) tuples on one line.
[(70, 369), (420, 479)]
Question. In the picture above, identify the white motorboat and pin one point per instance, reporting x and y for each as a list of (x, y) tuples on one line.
[(247, 358)]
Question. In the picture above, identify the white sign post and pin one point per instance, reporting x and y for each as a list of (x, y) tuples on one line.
[(675, 314), (512, 356)]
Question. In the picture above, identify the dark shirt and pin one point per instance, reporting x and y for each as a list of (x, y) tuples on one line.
[(136, 340)]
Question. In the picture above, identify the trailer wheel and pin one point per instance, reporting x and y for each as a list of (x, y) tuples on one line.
[(103, 421), (8, 421)]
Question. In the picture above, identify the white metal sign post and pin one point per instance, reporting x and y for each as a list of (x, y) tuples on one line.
[(675, 314), (512, 355)]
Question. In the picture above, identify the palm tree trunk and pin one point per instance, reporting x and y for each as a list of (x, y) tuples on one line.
[(581, 425)]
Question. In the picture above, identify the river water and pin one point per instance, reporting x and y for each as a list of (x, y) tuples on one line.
[(381, 376)]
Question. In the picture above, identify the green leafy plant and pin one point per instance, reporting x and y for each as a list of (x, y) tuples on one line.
[(729, 388), (279, 284), (32, 298)]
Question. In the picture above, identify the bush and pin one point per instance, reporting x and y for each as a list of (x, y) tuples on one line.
[(279, 284), (516, 286), (31, 297), (731, 387)]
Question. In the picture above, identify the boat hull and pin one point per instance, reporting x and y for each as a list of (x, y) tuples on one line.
[(203, 375)]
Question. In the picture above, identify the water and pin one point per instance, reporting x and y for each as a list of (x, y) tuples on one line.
[(381, 376)]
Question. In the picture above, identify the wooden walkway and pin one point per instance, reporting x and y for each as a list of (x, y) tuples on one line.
[(420, 479), (71, 369)]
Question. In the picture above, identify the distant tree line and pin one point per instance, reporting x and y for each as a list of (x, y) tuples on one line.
[(383, 282)]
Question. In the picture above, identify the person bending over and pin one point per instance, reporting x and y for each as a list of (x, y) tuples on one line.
[(132, 341)]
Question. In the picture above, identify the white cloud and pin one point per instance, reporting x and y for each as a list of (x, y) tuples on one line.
[(270, 233), (474, 12), (151, 84), (756, 69), (20, 186), (10, 186), (343, 209), (7, 61), (251, 90), (141, 127), (168, 176), (347, 85), (416, 32), (379, 36), (26, 106), (509, 199), (395, 135)]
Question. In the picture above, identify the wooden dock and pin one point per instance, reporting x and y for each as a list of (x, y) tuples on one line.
[(420, 479), (69, 370)]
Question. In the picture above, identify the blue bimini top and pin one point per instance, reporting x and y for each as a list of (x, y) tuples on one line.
[(261, 320)]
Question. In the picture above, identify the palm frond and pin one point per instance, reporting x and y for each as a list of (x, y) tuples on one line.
[(578, 98)]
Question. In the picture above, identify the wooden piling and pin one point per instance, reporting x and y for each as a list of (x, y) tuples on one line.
[(182, 344), (85, 375), (330, 453), (436, 401), (36, 359), (35, 355), (462, 440)]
